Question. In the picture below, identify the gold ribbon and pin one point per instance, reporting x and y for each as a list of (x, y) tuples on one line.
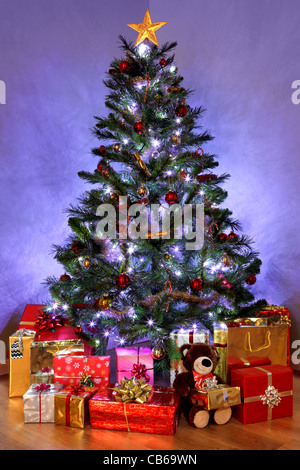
[(248, 346), (23, 332), (131, 390)]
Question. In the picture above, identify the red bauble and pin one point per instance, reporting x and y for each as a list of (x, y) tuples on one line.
[(102, 170), (196, 285), (233, 236), (64, 277), (171, 197), (102, 150), (223, 237), (251, 280), (139, 127), (93, 329), (78, 330), (181, 111), (123, 280), (77, 247), (163, 62), (124, 66)]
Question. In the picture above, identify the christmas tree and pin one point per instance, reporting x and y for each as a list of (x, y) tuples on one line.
[(131, 274)]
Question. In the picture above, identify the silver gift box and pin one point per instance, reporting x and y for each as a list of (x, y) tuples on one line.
[(38, 406)]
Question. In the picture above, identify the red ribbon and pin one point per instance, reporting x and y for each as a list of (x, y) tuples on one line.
[(139, 371), (44, 321), (41, 388), (170, 290), (74, 390), (199, 378)]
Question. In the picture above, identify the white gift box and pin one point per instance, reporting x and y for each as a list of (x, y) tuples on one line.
[(38, 403)]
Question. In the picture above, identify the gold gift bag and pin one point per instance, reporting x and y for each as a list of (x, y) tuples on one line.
[(19, 362), (243, 342)]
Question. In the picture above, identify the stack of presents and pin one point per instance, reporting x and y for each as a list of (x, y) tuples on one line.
[(62, 382)]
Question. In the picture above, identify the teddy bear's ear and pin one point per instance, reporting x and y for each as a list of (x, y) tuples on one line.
[(184, 349)]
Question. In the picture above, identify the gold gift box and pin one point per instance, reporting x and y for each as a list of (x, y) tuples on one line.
[(221, 397), (73, 409)]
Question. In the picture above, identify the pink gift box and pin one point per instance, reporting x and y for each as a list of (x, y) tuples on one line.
[(132, 359), (68, 370)]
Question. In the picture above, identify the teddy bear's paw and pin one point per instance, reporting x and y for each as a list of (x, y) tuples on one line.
[(201, 419), (222, 415)]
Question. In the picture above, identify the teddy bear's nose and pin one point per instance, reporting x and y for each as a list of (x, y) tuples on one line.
[(206, 362)]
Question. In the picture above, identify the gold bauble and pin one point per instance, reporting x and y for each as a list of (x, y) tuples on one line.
[(105, 302), (226, 260), (116, 147), (86, 263), (158, 353), (142, 191), (175, 139), (167, 256)]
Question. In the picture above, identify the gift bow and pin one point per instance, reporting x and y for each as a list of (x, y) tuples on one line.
[(44, 321), (86, 380), (271, 397), (76, 389), (139, 371), (130, 390), (42, 387)]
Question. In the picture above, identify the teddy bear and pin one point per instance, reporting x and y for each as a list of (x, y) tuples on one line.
[(200, 361)]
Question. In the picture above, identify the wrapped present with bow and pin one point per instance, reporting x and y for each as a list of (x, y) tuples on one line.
[(43, 352), (19, 361), (213, 396), (267, 393), (135, 406), (72, 405), (38, 403), (50, 326), (135, 362), (87, 370), (249, 342)]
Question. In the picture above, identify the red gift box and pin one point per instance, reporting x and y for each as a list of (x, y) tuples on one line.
[(158, 415), (234, 363), (69, 370), (267, 393), (60, 333)]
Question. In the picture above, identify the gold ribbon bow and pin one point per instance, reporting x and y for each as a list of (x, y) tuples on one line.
[(130, 390)]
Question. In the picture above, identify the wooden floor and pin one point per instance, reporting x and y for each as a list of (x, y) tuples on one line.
[(280, 434)]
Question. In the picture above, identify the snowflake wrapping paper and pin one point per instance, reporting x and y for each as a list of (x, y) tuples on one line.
[(69, 370)]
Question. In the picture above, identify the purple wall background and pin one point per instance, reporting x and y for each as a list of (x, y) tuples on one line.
[(239, 56)]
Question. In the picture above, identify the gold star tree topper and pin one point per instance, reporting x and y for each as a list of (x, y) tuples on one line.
[(147, 29)]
